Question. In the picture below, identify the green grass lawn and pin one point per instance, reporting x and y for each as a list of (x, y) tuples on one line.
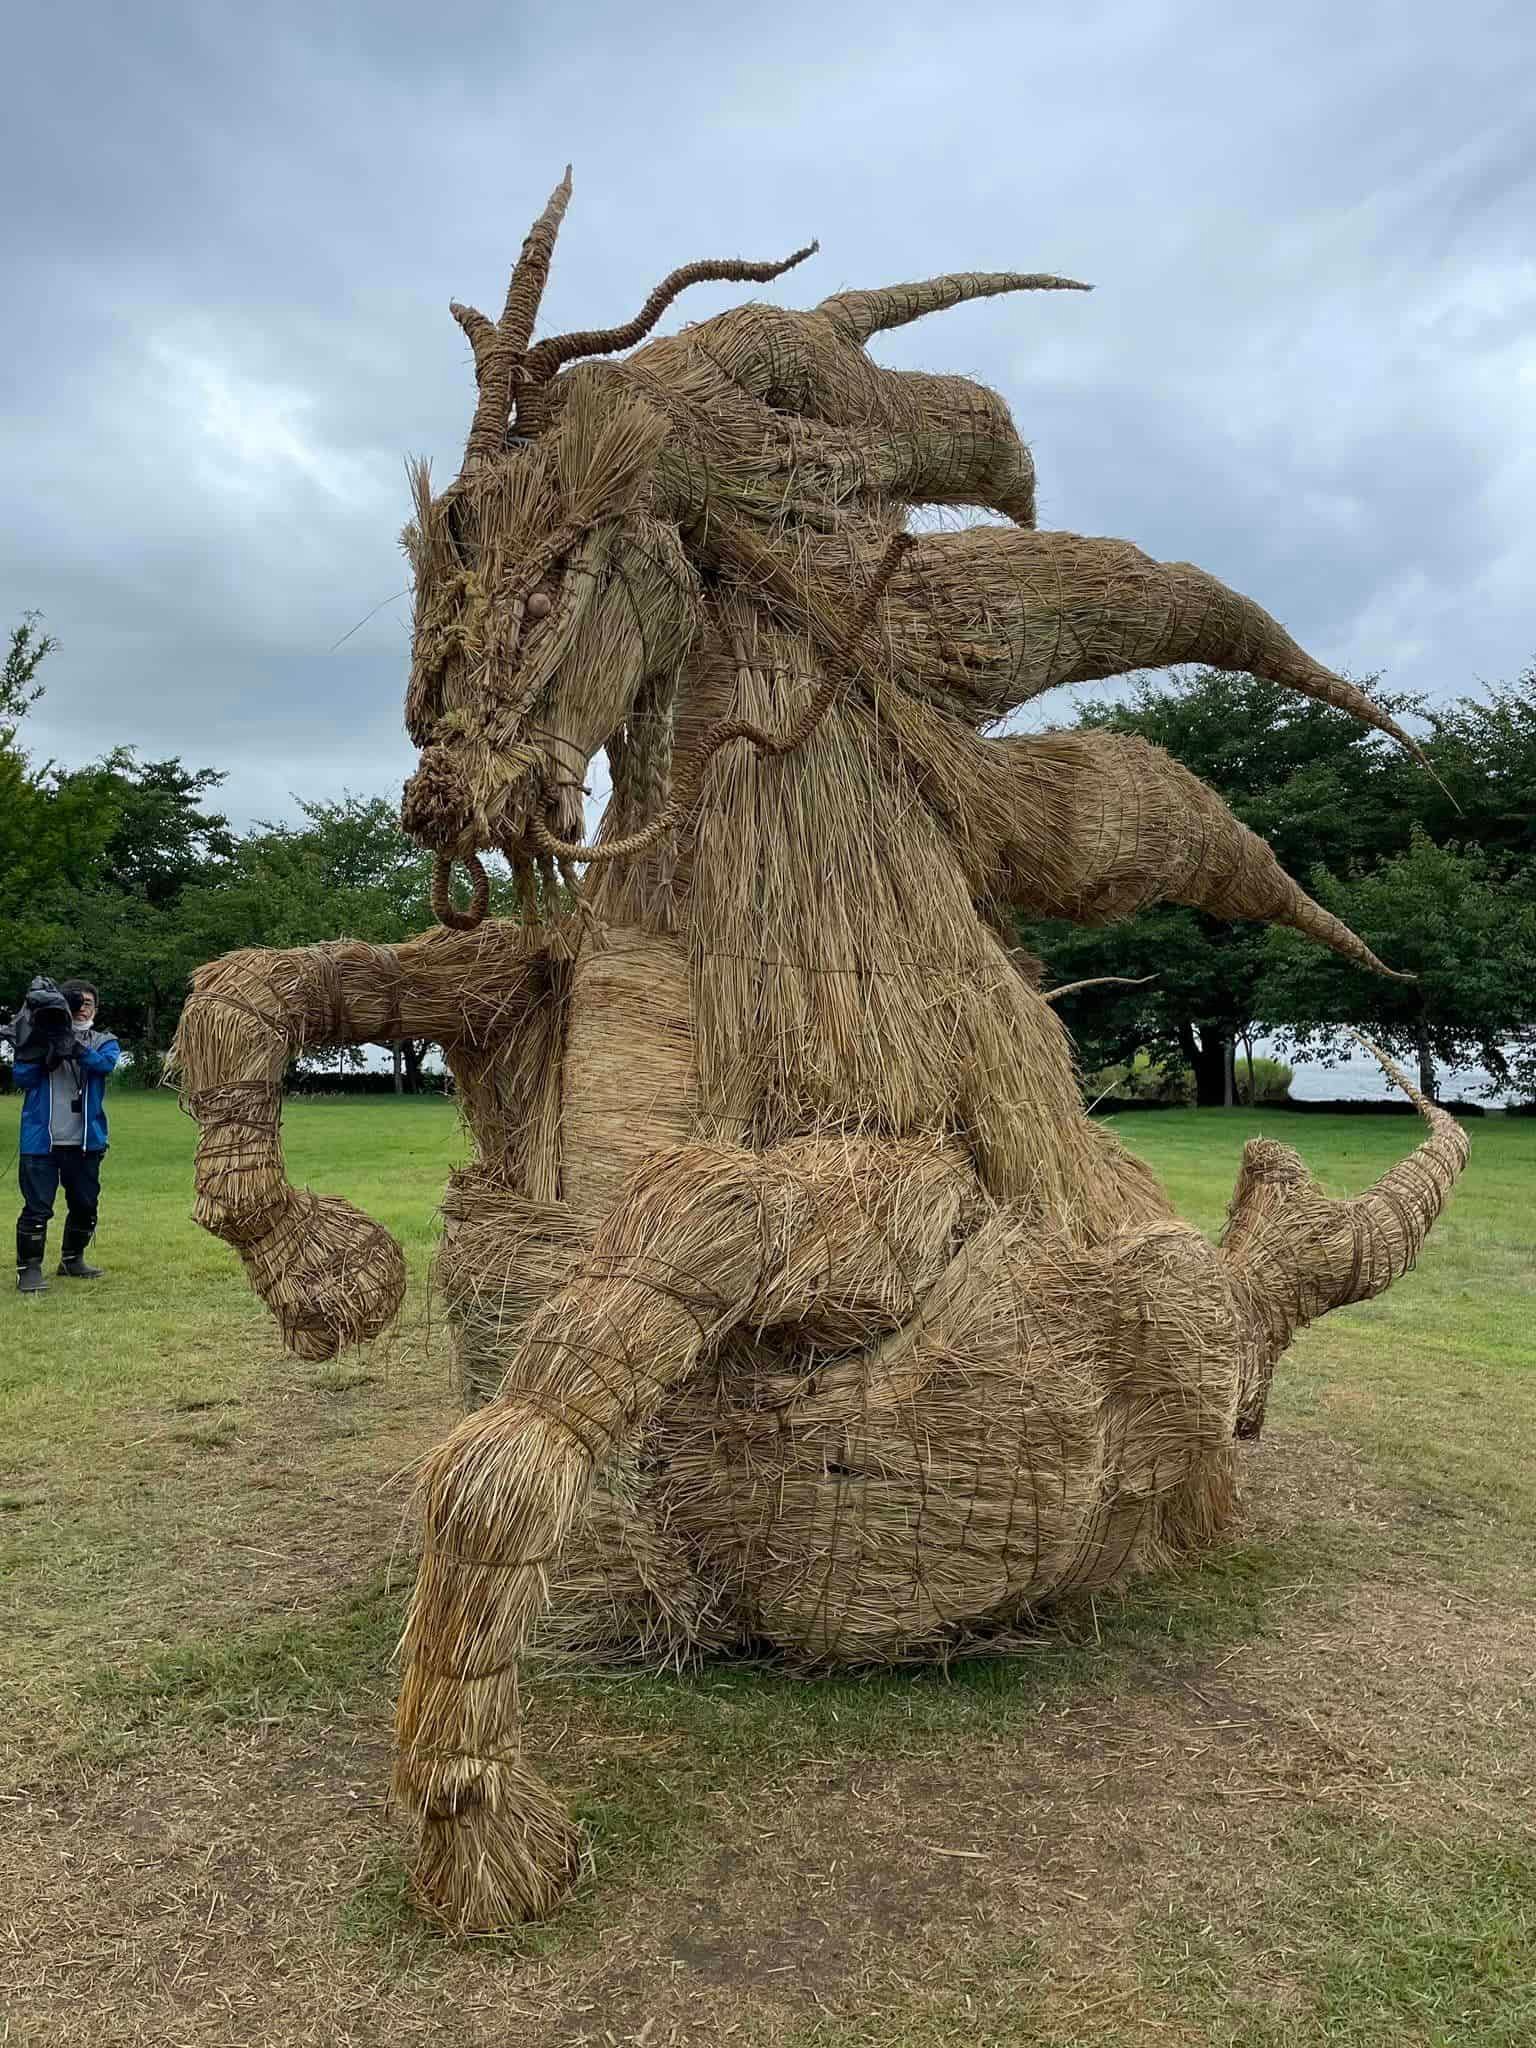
[(1278, 1800)]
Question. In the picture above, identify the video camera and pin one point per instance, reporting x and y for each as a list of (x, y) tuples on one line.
[(43, 1029)]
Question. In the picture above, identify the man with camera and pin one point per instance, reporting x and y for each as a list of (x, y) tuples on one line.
[(62, 1062)]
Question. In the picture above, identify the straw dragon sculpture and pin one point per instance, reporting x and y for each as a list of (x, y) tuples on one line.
[(801, 1303)]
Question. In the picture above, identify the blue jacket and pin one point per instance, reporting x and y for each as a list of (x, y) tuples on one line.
[(98, 1055)]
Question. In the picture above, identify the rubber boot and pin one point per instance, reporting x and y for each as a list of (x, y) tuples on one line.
[(31, 1243), (72, 1252)]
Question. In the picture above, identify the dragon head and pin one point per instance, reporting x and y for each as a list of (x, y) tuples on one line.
[(551, 584)]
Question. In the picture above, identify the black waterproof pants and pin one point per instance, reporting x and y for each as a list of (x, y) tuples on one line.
[(41, 1173)]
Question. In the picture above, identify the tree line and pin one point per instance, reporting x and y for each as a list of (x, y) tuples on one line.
[(126, 871), (1435, 868)]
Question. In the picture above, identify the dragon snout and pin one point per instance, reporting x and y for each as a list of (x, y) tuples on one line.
[(469, 795), (437, 807)]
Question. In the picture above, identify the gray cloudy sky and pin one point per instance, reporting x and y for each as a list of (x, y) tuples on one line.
[(230, 234)]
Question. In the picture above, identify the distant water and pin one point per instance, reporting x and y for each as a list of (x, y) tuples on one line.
[(1354, 1079), (1357, 1078)]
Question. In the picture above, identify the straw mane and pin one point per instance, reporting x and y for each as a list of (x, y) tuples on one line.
[(798, 1302)]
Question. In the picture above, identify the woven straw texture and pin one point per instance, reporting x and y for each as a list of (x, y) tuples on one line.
[(799, 1304)]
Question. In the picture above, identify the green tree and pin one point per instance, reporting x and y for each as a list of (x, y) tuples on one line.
[(1484, 751), (124, 913), (25, 654), (1407, 858), (51, 831), (345, 871), (122, 870), (162, 839), (1310, 780), (1462, 922)]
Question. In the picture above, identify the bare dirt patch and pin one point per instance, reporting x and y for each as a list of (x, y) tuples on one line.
[(243, 1884)]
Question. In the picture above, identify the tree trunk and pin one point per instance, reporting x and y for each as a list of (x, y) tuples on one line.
[(1211, 1059), (1427, 1077), (1229, 1076), (413, 1048), (1248, 1054), (399, 1068)]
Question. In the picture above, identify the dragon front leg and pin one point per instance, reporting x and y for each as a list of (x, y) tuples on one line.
[(330, 1275)]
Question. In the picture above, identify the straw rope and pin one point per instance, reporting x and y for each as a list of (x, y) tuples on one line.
[(446, 910), (1075, 988)]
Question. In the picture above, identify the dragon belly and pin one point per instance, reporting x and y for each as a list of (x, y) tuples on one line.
[(616, 1087), (626, 1084)]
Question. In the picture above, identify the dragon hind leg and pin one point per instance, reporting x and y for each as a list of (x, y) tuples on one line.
[(831, 1237)]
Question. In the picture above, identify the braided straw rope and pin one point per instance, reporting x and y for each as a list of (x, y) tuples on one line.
[(443, 904)]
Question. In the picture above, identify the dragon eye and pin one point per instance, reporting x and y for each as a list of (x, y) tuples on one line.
[(540, 605)]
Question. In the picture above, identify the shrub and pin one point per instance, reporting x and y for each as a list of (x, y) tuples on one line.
[(1148, 1081), (1143, 1080), (1271, 1080)]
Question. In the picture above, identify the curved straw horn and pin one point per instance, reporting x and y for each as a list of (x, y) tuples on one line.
[(543, 361), (526, 288), (1096, 826), (1079, 608), (498, 350), (861, 314)]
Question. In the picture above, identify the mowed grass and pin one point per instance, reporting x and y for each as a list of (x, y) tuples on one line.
[(1279, 1799), (169, 1314), (128, 1445)]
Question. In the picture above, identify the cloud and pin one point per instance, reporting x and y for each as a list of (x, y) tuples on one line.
[(231, 235)]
